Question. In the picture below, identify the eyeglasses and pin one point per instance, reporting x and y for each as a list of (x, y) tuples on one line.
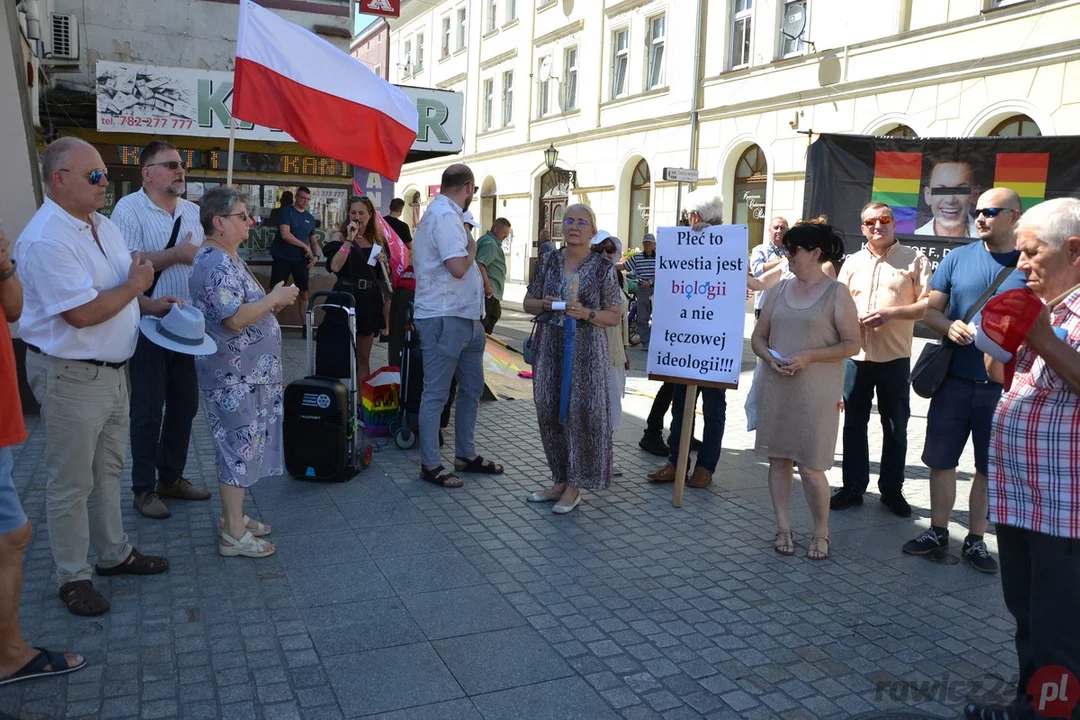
[(992, 211), (170, 164), (884, 220), (243, 215), (791, 250), (604, 249), (571, 222), (94, 176)]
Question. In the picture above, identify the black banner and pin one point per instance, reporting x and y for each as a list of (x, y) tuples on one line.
[(932, 184)]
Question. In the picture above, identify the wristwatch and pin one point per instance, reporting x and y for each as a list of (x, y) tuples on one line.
[(592, 315), (10, 273)]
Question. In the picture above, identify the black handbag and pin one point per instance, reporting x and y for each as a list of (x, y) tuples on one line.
[(527, 351), (933, 363)]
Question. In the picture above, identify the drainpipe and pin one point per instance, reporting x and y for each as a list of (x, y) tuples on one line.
[(696, 95)]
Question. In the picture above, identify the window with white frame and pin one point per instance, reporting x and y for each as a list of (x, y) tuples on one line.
[(508, 98), (793, 23), (570, 79), (419, 52), (378, 71), (462, 29), (992, 4), (656, 41), (740, 33), (493, 15), (446, 36), (489, 102), (620, 61), (408, 69), (511, 10), (543, 87)]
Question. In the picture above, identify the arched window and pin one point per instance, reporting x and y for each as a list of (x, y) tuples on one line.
[(751, 177), (901, 130), (640, 194), (1016, 126)]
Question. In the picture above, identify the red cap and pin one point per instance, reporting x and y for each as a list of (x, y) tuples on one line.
[(1006, 320)]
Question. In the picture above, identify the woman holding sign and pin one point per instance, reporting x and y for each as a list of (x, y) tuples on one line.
[(575, 296), (808, 328)]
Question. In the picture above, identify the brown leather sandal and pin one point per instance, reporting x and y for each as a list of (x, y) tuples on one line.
[(784, 543), (136, 564), (816, 552), (82, 598)]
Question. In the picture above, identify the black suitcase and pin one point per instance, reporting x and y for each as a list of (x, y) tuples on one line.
[(316, 430)]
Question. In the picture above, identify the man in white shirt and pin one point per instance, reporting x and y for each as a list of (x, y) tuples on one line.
[(766, 256), (163, 228), (448, 307), (83, 293)]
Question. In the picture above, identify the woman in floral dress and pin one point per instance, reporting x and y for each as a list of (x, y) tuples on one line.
[(578, 448), (241, 382)]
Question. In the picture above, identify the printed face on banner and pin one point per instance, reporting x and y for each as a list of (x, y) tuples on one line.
[(699, 304)]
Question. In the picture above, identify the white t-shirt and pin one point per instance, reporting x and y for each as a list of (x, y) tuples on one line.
[(63, 268), (439, 237)]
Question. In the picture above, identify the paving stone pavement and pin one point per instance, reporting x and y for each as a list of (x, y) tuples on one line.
[(392, 598)]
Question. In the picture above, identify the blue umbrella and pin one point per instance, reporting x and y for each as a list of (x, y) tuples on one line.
[(569, 333)]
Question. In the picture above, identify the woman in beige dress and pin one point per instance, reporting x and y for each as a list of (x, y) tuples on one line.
[(808, 327)]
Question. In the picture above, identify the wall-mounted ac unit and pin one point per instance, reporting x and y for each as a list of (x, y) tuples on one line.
[(65, 37)]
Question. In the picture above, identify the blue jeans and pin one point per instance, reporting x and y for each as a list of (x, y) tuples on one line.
[(714, 407), (12, 516), (451, 348)]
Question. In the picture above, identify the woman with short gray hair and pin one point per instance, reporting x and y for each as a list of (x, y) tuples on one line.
[(242, 381)]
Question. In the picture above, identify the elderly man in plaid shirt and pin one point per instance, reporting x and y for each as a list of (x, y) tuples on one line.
[(1035, 470)]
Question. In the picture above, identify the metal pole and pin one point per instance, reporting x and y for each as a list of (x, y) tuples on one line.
[(695, 98), (678, 203), (232, 145)]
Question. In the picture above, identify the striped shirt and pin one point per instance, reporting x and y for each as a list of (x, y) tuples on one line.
[(641, 267), (147, 228)]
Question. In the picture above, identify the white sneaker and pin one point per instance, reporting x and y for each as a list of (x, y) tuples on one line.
[(616, 470)]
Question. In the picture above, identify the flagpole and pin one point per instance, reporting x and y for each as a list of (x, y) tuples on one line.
[(232, 144)]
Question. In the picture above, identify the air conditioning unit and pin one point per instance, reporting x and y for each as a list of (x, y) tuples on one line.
[(65, 37)]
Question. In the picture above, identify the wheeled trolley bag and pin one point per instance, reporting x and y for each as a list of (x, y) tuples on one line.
[(321, 434)]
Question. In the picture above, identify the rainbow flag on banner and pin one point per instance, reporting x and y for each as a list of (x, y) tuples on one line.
[(896, 181), (1025, 173)]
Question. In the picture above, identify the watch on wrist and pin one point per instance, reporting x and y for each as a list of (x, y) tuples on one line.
[(592, 315), (11, 271)]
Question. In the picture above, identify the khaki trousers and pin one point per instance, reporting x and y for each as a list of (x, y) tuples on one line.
[(84, 409)]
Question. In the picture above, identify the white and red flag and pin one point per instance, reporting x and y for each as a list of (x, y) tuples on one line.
[(328, 101)]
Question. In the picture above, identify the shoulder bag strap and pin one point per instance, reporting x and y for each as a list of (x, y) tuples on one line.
[(168, 246), (989, 292)]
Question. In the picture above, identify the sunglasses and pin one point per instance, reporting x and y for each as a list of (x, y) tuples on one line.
[(884, 220), (604, 249), (170, 164), (992, 211), (580, 222), (94, 176)]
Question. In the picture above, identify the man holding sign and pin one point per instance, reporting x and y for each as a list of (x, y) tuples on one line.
[(700, 276)]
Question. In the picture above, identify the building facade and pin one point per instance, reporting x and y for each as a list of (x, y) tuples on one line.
[(372, 47), (732, 88)]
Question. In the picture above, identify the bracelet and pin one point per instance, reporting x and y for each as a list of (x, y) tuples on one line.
[(344, 250)]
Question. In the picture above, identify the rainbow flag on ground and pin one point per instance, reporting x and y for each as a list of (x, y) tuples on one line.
[(897, 176), (1025, 173)]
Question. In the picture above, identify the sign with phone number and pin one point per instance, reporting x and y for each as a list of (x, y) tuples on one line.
[(156, 123)]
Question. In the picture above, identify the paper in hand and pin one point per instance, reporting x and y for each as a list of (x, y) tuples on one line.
[(376, 250), (777, 356), (558, 305)]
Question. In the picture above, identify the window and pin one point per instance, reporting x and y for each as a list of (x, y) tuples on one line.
[(620, 61), (489, 102), (462, 30), (378, 71), (901, 130), (992, 4), (1017, 126), (419, 52), (570, 79), (508, 98), (543, 88), (445, 36), (793, 28), (493, 12), (511, 10), (740, 33), (657, 34), (408, 58)]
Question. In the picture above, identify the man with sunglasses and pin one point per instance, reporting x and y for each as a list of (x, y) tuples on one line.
[(950, 194), (84, 292), (295, 248), (889, 283), (164, 228), (964, 404)]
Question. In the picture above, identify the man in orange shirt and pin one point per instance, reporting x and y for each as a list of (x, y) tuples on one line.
[(18, 661), (890, 284)]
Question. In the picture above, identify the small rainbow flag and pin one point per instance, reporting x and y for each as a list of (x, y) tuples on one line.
[(1025, 173), (896, 181)]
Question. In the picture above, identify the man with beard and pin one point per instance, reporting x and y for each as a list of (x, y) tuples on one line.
[(163, 228), (448, 307), (951, 195)]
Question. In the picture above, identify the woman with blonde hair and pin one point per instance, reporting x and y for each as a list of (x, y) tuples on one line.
[(368, 283), (575, 295)]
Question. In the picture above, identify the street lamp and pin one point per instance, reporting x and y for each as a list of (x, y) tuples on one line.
[(551, 157), (562, 177)]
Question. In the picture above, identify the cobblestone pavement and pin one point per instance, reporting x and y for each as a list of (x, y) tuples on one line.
[(391, 598)]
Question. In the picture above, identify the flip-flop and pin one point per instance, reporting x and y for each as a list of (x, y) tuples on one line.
[(36, 667)]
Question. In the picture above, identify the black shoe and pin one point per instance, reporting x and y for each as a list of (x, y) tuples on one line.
[(695, 444), (927, 543), (653, 443), (975, 552), (896, 502), (1014, 711), (844, 498)]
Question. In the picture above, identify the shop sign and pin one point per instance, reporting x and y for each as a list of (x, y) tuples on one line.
[(262, 163), (386, 8)]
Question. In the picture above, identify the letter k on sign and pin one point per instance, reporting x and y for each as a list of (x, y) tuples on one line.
[(387, 8), (1054, 691)]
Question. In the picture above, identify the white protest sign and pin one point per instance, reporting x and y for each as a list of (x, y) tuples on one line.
[(699, 304)]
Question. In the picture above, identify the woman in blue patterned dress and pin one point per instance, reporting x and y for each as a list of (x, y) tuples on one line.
[(241, 382)]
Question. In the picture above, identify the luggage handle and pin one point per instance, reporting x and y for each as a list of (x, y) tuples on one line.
[(332, 296)]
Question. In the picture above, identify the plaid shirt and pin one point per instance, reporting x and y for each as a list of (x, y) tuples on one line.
[(1035, 442)]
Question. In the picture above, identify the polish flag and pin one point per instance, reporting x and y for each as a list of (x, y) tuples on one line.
[(327, 100)]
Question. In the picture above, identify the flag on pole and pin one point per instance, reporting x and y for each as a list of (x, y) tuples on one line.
[(330, 102)]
